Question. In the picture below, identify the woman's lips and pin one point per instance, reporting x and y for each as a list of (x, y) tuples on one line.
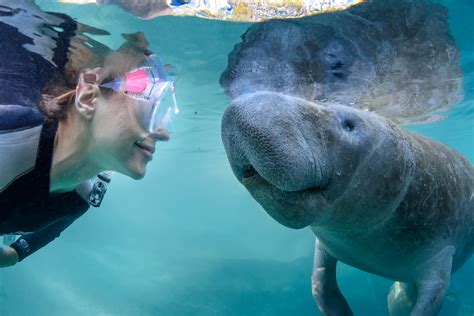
[(146, 150)]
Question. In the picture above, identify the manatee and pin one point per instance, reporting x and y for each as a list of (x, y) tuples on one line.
[(300, 139)]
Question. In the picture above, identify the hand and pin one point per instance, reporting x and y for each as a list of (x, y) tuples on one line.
[(8, 257)]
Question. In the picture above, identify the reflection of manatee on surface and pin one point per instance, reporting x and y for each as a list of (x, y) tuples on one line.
[(377, 197), (396, 58)]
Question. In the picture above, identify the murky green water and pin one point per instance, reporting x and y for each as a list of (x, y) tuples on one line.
[(189, 239)]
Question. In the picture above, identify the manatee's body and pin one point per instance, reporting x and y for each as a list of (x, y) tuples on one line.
[(377, 197)]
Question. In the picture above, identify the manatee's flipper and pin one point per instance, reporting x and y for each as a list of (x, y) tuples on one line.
[(433, 281), (326, 292), (401, 298)]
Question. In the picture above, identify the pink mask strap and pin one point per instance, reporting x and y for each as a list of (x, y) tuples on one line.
[(136, 82)]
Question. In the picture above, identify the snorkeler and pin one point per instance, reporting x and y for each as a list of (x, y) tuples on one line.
[(63, 125)]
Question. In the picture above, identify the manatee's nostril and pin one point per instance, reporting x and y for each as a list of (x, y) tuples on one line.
[(248, 171), (337, 65), (348, 125)]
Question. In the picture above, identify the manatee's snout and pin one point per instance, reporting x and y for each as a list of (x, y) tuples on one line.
[(263, 138)]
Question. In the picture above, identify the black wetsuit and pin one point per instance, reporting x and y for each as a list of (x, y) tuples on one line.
[(27, 140)]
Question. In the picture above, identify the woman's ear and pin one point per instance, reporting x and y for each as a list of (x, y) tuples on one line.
[(87, 91)]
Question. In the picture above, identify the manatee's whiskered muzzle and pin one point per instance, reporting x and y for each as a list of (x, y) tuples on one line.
[(261, 134)]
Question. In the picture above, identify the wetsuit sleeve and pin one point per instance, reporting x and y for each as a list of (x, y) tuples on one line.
[(71, 205), (29, 243)]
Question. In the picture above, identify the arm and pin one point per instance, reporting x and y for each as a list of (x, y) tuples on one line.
[(31, 242)]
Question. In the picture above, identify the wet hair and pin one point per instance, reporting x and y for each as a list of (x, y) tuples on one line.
[(59, 95), (56, 108)]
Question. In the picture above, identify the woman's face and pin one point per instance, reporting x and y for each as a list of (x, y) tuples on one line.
[(122, 143)]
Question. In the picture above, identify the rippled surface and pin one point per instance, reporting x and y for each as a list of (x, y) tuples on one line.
[(259, 10), (189, 239), (237, 10)]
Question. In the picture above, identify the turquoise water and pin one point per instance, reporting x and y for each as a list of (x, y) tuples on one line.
[(189, 239)]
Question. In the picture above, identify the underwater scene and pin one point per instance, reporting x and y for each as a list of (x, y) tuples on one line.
[(189, 238)]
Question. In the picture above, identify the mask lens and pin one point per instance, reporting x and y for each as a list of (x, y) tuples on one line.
[(153, 88), (164, 110), (154, 63)]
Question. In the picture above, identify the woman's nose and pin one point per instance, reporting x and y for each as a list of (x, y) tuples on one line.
[(160, 134)]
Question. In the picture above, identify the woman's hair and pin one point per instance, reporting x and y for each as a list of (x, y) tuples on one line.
[(59, 95), (56, 108), (56, 97), (84, 53)]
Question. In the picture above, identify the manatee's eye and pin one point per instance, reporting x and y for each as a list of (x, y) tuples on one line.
[(248, 171), (348, 124)]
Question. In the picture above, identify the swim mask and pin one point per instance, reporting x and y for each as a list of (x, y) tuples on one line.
[(150, 84)]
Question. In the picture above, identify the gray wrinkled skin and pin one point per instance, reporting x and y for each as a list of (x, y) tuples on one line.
[(377, 197), (396, 58)]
